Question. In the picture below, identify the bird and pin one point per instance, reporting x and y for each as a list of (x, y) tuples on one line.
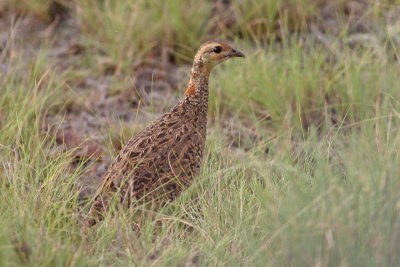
[(160, 162)]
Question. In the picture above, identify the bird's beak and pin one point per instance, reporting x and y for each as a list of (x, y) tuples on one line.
[(235, 53)]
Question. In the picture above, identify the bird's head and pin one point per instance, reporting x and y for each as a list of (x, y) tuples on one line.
[(213, 53), (208, 55)]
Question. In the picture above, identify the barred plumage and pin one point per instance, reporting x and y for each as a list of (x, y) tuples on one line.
[(162, 160)]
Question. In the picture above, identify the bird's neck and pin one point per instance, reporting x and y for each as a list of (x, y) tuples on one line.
[(196, 95), (197, 87)]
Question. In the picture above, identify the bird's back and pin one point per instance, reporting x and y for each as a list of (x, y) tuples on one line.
[(158, 163)]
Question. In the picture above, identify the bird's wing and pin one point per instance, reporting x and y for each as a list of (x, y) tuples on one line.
[(140, 150)]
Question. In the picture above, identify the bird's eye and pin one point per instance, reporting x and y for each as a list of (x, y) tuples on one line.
[(217, 49)]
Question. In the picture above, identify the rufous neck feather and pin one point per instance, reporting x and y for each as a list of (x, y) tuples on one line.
[(199, 77)]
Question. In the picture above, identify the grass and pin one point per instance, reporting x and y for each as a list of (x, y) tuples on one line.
[(301, 165)]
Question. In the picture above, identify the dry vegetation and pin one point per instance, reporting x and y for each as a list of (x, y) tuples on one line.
[(303, 148)]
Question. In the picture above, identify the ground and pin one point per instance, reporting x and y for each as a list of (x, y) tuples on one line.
[(302, 157)]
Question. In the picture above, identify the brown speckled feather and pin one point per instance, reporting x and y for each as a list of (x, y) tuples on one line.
[(162, 160)]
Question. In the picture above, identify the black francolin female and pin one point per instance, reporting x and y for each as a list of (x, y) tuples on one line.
[(162, 160)]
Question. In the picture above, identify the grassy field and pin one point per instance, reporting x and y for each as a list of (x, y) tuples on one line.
[(303, 149)]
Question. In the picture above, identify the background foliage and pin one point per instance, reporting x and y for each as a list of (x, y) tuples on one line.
[(302, 153)]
